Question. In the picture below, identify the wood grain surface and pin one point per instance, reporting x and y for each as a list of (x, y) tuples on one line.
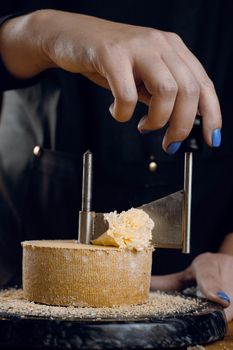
[(225, 344)]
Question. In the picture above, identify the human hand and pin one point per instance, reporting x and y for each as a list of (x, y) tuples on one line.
[(135, 63), (212, 274)]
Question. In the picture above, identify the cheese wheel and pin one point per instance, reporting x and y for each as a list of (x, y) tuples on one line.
[(69, 273)]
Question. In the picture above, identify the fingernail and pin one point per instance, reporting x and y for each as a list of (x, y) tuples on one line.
[(216, 138), (173, 147), (111, 109), (144, 131), (224, 296)]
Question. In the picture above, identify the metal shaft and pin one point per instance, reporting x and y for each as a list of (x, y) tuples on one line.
[(186, 215), (87, 181), (85, 215)]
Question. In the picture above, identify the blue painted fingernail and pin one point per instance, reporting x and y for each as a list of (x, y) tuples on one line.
[(216, 138), (224, 296), (173, 147)]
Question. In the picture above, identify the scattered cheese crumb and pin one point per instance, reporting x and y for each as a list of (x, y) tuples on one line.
[(160, 304)]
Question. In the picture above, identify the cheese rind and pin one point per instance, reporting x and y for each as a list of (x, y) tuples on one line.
[(68, 273)]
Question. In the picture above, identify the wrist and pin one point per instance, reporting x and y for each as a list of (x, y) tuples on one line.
[(38, 24), (22, 37)]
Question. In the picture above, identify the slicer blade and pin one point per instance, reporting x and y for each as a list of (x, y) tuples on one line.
[(166, 213), (100, 225)]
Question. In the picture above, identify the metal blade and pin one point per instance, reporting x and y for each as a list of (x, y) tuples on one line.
[(99, 225), (167, 216), (166, 213)]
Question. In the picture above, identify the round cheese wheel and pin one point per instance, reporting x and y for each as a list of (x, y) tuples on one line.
[(69, 273)]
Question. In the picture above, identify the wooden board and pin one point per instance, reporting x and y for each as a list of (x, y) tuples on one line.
[(226, 343)]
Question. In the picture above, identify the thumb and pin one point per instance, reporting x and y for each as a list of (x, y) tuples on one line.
[(229, 313)]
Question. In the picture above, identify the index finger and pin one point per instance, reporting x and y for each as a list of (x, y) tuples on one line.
[(209, 106)]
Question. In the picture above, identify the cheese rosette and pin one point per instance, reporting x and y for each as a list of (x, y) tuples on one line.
[(131, 229)]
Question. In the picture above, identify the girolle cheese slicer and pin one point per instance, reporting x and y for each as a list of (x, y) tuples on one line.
[(171, 214)]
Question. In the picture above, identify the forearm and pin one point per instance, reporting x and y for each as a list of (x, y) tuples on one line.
[(21, 45), (227, 245)]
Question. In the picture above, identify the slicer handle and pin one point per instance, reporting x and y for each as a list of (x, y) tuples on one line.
[(194, 142)]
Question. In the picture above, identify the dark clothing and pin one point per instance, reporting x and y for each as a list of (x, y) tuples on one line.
[(66, 114)]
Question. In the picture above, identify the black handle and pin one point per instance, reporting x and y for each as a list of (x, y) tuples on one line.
[(194, 142)]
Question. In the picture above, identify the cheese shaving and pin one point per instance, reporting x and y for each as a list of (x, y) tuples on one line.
[(131, 229)]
